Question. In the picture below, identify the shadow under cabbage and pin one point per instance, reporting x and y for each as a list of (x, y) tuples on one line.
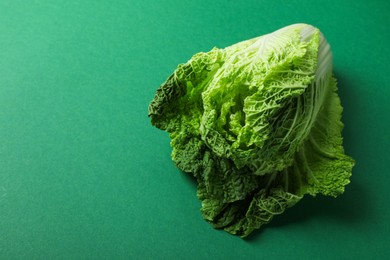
[(349, 209)]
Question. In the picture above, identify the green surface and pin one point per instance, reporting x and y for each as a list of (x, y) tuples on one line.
[(84, 175)]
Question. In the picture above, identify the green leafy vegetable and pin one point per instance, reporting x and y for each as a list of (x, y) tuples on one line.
[(258, 124)]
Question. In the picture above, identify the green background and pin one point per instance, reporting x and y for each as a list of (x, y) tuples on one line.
[(83, 174)]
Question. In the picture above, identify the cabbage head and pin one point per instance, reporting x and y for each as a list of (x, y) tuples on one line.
[(258, 124)]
